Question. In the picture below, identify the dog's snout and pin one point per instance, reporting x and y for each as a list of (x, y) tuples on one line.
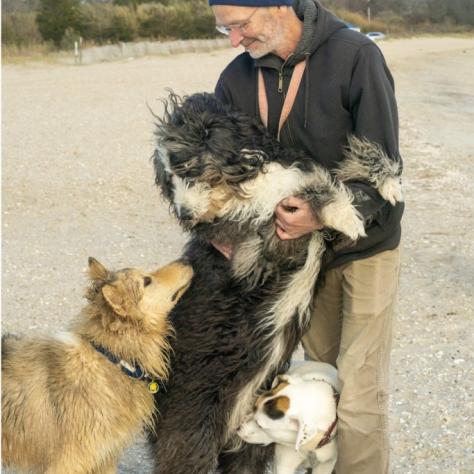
[(184, 214)]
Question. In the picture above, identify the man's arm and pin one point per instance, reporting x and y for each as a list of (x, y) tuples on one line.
[(375, 117)]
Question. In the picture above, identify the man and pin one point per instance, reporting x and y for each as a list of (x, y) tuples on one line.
[(342, 86)]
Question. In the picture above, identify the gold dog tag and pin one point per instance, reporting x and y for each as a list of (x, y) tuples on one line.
[(153, 387)]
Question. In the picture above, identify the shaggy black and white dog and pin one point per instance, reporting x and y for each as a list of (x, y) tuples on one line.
[(240, 321)]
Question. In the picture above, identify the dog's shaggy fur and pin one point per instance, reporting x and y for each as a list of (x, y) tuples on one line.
[(240, 321), (66, 407)]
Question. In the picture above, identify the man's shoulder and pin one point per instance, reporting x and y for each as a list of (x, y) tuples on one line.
[(348, 45), (242, 64), (352, 37)]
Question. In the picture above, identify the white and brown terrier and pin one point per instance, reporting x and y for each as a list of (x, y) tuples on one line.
[(299, 415)]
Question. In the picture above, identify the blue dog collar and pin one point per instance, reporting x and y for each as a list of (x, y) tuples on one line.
[(132, 371)]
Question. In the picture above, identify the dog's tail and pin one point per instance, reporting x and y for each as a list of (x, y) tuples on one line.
[(367, 161)]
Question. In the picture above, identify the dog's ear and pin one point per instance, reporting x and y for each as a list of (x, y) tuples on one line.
[(115, 300), (306, 431), (276, 408), (97, 271), (286, 379)]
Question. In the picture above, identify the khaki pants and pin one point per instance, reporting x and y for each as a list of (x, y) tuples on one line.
[(351, 328)]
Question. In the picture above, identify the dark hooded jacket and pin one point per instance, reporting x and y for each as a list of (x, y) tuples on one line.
[(346, 89)]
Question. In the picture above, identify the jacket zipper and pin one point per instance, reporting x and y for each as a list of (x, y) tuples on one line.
[(280, 80), (280, 90), (280, 75)]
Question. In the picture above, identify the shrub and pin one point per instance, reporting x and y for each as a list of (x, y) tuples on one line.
[(123, 26), (107, 23), (177, 20), (55, 17), (93, 20), (20, 29)]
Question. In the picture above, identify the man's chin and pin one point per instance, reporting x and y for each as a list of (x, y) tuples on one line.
[(256, 53)]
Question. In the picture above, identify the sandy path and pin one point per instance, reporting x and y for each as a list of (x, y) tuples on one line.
[(77, 181)]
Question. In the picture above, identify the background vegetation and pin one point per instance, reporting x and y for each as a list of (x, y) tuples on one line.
[(28, 24)]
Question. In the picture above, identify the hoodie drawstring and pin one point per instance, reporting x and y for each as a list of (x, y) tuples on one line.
[(306, 91), (293, 87)]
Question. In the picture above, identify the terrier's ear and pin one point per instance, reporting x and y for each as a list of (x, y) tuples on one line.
[(276, 408), (115, 300), (97, 271), (282, 379), (307, 431)]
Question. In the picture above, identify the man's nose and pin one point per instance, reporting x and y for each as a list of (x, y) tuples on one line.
[(235, 38)]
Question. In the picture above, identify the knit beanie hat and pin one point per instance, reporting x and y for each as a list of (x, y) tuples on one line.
[(251, 3)]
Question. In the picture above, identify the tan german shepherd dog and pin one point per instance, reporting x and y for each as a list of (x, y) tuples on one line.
[(72, 403)]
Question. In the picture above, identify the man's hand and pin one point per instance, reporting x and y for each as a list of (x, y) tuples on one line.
[(225, 249), (294, 218)]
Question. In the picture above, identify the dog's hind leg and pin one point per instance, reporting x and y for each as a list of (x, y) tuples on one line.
[(250, 459)]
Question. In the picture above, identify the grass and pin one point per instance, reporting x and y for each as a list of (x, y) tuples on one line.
[(40, 52)]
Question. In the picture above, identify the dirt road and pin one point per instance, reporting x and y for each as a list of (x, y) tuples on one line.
[(77, 181)]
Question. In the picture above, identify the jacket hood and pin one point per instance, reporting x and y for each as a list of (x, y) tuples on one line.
[(318, 25)]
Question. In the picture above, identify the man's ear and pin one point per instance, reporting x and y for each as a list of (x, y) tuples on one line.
[(97, 271), (115, 300)]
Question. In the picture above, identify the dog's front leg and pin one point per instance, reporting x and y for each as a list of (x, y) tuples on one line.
[(331, 203), (287, 460), (327, 457), (340, 214), (324, 467)]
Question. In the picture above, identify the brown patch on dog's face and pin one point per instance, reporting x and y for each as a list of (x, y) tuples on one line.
[(277, 407), (220, 196), (269, 394), (166, 287)]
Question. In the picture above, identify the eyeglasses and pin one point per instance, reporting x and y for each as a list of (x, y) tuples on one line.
[(240, 27)]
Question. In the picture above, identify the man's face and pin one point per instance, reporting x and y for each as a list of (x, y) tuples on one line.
[(259, 32)]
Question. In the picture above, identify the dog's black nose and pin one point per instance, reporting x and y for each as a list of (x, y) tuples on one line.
[(184, 214)]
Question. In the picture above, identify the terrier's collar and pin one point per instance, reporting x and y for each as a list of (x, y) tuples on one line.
[(321, 440), (328, 435), (132, 371)]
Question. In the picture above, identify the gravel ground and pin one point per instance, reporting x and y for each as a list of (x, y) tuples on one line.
[(77, 181)]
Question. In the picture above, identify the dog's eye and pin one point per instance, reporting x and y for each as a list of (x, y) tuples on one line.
[(146, 281)]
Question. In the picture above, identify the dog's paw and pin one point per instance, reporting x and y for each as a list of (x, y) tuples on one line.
[(391, 190), (345, 219)]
